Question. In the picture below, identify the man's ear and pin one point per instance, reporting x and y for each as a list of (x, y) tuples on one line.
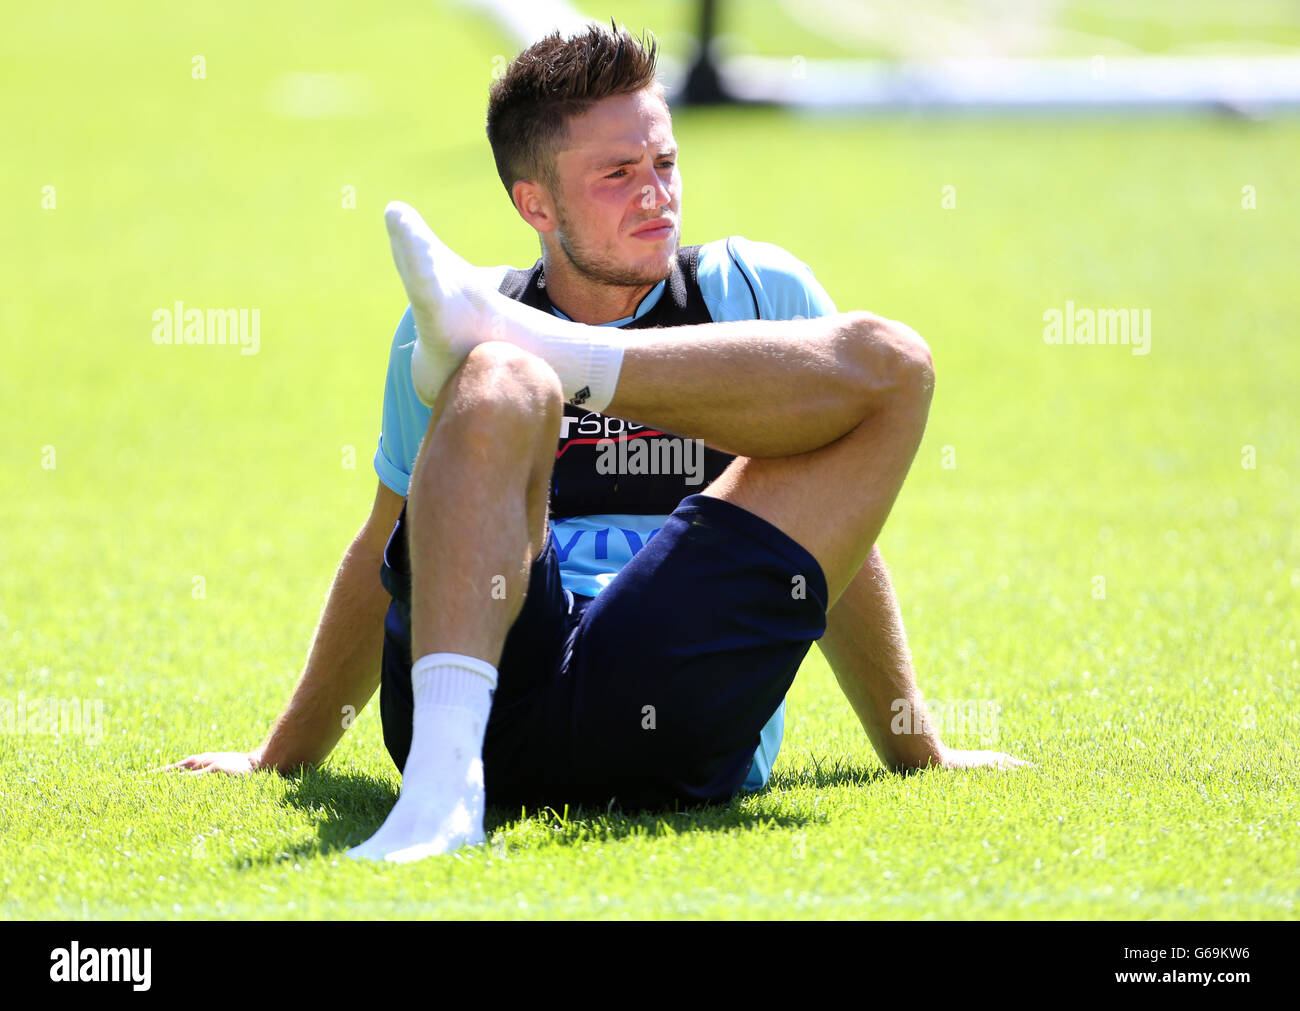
[(534, 205)]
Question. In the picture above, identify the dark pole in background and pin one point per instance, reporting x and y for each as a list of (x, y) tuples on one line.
[(703, 86)]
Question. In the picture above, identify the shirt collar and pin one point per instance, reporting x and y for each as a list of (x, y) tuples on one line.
[(649, 302)]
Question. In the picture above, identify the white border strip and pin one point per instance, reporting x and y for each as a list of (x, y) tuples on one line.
[(1243, 82), (1009, 83)]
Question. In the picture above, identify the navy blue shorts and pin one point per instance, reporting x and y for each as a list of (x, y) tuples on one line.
[(654, 692)]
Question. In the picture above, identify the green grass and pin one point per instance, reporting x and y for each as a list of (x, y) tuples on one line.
[(1163, 718)]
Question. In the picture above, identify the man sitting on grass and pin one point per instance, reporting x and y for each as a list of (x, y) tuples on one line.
[(589, 620)]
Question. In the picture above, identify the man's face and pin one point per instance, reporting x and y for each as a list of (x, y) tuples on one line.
[(618, 191)]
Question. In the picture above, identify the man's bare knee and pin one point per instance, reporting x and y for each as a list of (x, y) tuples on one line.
[(500, 385), (891, 362)]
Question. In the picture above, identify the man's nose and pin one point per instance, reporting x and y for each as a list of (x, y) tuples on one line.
[(654, 192)]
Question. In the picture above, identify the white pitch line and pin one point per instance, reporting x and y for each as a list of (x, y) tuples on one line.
[(528, 21)]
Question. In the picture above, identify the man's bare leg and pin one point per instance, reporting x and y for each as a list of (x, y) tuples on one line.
[(831, 498), (477, 517), (477, 504)]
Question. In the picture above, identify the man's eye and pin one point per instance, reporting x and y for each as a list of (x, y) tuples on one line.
[(617, 174), (667, 164)]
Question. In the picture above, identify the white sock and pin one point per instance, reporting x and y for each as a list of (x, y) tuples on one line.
[(441, 804), (454, 313)]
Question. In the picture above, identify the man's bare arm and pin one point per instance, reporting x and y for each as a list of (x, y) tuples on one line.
[(342, 667), (866, 646)]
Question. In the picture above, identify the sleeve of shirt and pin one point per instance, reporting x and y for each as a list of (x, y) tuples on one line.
[(405, 418), (743, 279)]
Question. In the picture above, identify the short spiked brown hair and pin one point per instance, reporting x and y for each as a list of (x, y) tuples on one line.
[(554, 79)]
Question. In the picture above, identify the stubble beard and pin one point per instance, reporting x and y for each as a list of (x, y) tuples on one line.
[(594, 267)]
